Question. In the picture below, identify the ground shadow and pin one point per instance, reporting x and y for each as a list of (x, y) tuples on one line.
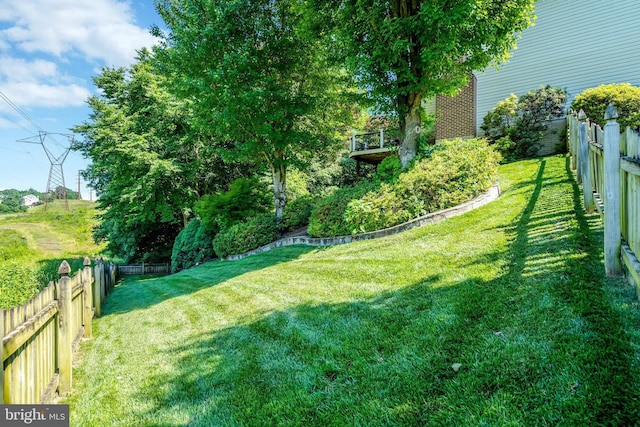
[(139, 292), (392, 359)]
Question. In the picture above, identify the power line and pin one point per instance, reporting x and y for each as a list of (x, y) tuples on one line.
[(26, 117), (19, 111)]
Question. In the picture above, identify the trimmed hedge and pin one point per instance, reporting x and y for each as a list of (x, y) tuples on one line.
[(624, 96), (328, 218), (297, 213), (243, 237)]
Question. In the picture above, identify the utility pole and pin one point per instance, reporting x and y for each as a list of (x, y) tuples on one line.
[(79, 197)]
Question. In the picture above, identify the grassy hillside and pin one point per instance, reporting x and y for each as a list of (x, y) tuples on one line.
[(498, 317), (34, 243)]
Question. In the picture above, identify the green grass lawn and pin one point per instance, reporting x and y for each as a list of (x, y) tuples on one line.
[(368, 333)]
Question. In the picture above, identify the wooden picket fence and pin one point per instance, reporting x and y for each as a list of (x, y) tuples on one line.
[(142, 269), (39, 337), (607, 164)]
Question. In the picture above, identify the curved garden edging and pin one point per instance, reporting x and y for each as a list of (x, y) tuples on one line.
[(431, 218)]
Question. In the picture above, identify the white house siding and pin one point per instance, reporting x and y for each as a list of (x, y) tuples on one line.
[(575, 44)]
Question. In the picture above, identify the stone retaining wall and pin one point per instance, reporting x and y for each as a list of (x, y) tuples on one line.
[(431, 218)]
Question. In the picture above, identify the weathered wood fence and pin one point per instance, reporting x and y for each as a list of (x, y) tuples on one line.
[(607, 164), (142, 269), (39, 337)]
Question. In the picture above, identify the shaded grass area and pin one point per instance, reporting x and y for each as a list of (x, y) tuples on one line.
[(368, 333)]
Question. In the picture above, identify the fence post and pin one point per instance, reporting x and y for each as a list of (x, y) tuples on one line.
[(88, 297), (612, 238), (585, 164), (1, 357), (96, 287), (103, 281), (581, 117), (65, 324), (570, 137), (381, 138)]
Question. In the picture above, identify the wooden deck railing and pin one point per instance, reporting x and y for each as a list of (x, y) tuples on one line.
[(372, 140)]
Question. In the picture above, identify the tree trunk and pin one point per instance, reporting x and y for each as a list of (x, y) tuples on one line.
[(410, 125), (279, 172)]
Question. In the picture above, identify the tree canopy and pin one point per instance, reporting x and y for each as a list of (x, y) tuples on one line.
[(148, 165), (403, 51), (259, 75)]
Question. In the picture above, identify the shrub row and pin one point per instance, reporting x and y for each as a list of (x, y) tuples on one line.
[(453, 172), (328, 217), (243, 237), (449, 173)]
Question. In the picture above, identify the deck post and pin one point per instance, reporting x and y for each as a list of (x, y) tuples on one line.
[(612, 227), (381, 138)]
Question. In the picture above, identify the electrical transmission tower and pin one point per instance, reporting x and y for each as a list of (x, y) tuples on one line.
[(55, 183)]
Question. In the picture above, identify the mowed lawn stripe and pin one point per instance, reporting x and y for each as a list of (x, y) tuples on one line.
[(501, 316)]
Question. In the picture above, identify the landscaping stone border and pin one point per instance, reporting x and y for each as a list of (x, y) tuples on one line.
[(483, 199)]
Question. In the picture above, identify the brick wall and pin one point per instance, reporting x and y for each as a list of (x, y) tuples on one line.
[(456, 116)]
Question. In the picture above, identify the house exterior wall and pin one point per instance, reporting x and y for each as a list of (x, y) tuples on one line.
[(456, 115), (575, 44)]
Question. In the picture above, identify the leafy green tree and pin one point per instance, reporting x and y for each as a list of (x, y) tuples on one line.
[(246, 198), (406, 50), (259, 75), (11, 200), (149, 166)]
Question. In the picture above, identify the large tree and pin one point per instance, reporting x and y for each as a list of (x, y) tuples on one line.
[(259, 75), (149, 166), (403, 51)]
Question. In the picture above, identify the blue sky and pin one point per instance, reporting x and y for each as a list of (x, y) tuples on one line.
[(49, 52)]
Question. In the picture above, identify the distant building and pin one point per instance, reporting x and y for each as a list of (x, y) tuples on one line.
[(30, 200)]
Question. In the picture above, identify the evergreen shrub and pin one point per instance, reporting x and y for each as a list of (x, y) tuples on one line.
[(328, 217), (516, 124), (245, 236), (193, 245), (297, 213), (246, 198)]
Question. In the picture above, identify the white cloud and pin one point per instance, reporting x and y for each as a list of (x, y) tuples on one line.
[(38, 83), (36, 94), (102, 30)]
